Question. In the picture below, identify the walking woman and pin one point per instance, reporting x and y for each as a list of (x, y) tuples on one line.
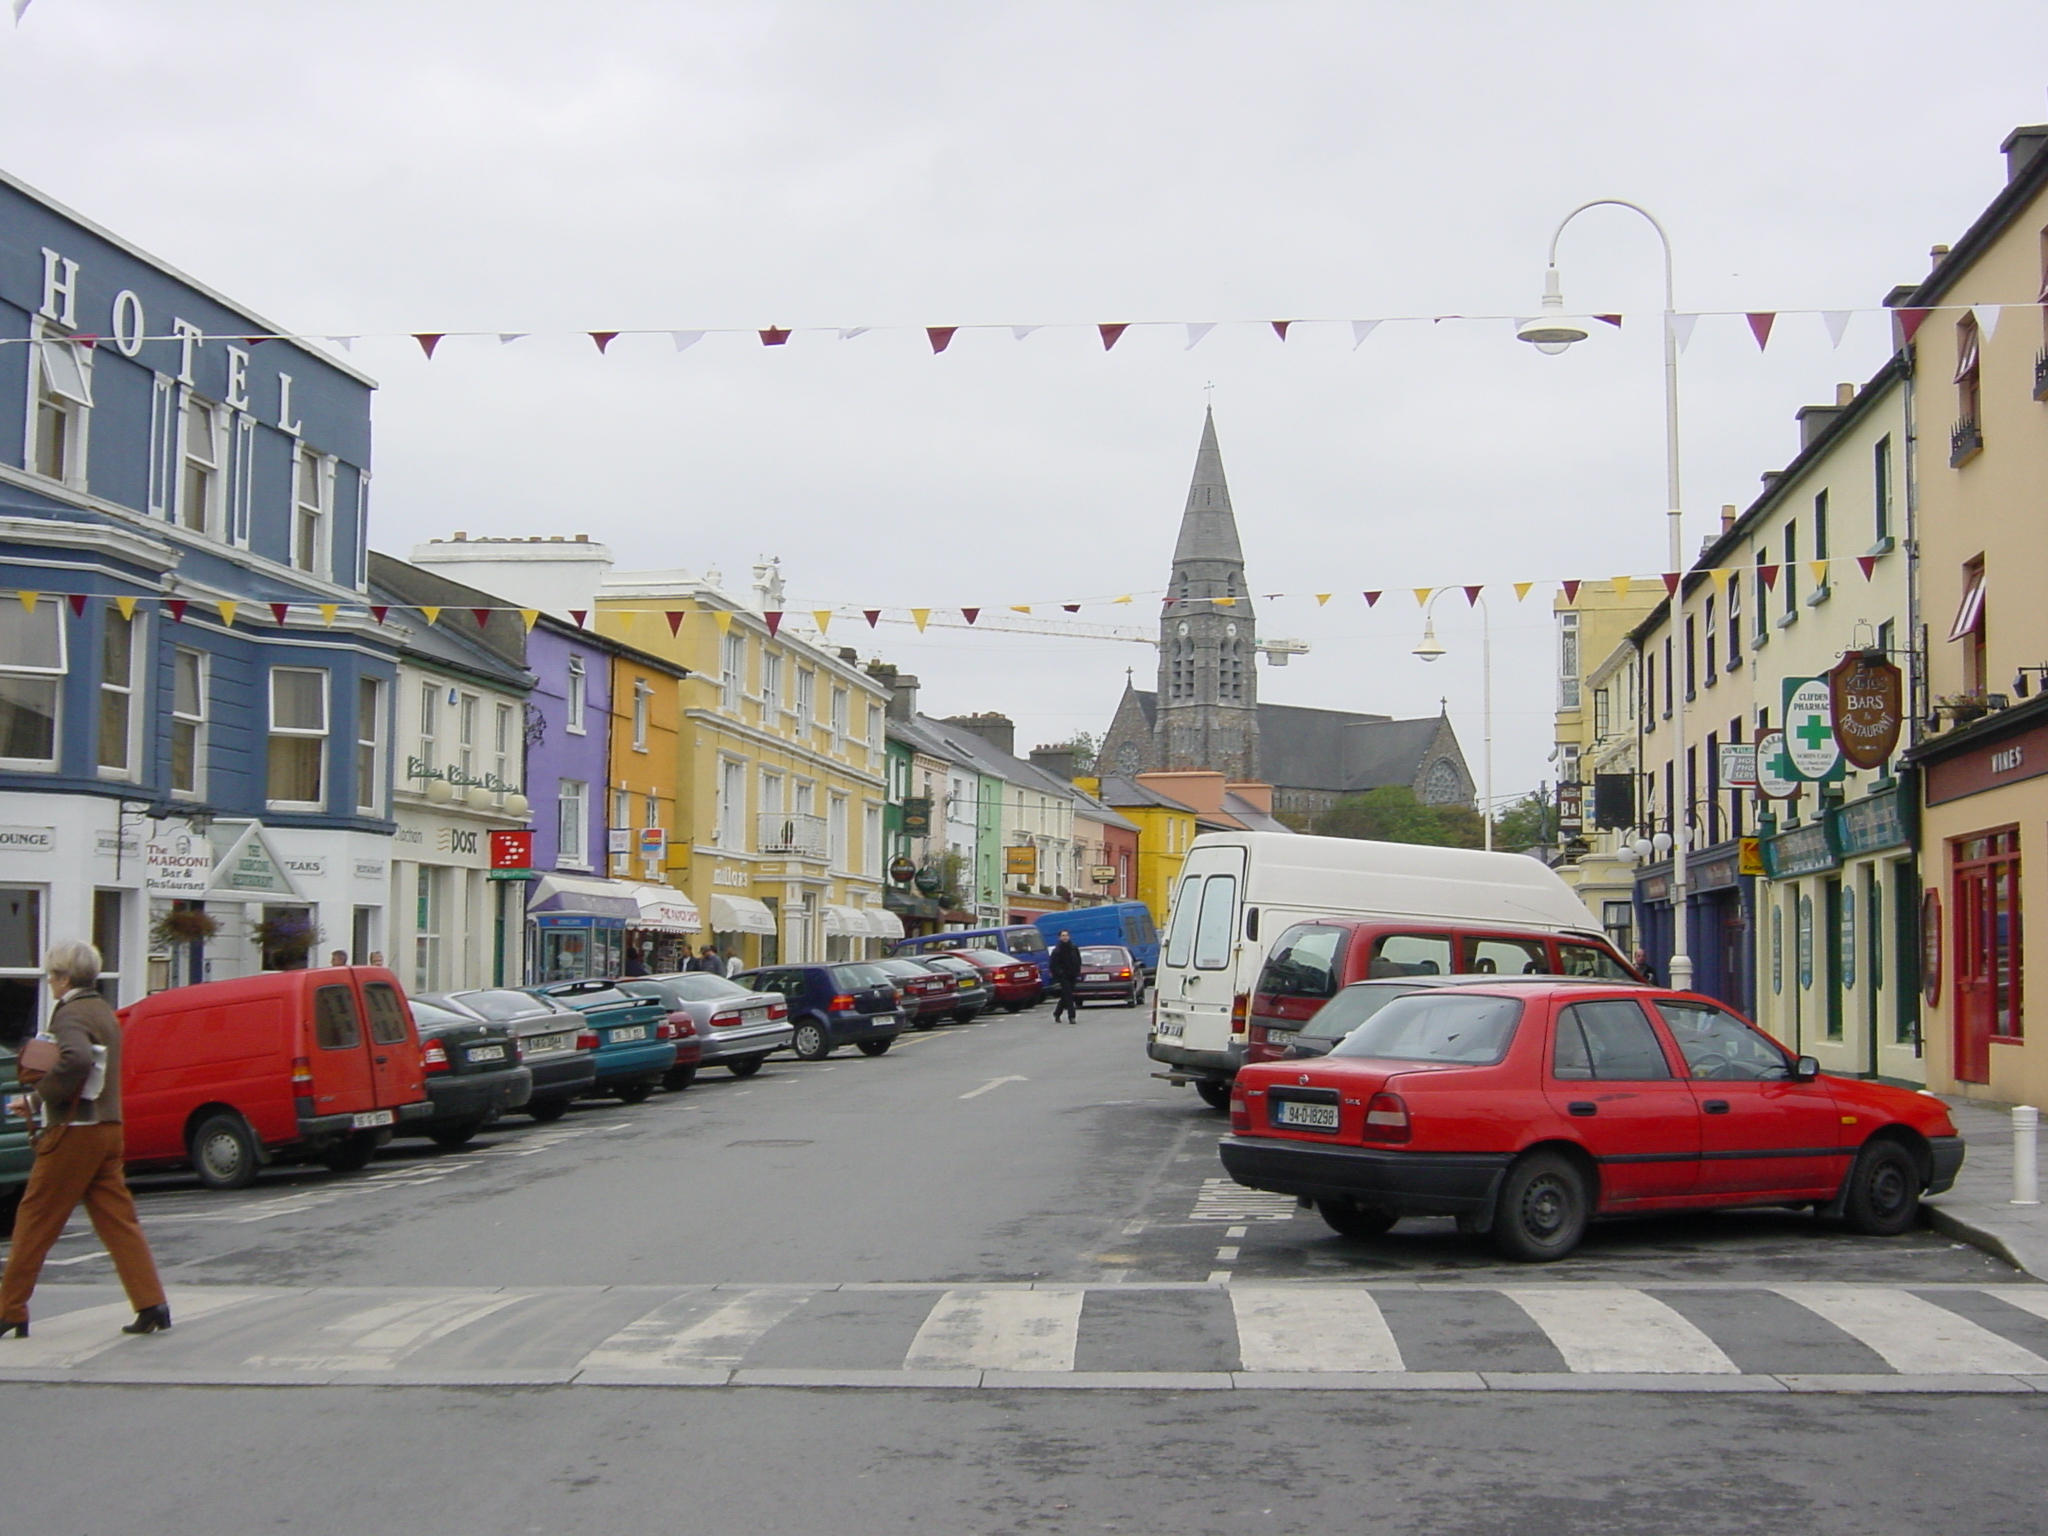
[(78, 1153)]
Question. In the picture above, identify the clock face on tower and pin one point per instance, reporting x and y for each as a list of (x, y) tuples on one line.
[(1182, 631), (1230, 630)]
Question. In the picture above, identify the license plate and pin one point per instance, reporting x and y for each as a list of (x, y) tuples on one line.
[(753, 1015), (1168, 1029), (370, 1119), (1095, 975), (1313, 1117), (629, 1032), (542, 1043), (487, 1053)]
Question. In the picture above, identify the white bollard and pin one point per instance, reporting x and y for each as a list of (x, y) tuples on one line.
[(2026, 1177)]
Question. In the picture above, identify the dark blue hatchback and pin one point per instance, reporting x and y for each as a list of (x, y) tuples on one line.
[(833, 1005), (635, 1041)]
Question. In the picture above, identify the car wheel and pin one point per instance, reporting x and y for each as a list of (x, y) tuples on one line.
[(1137, 999), (635, 1092), (1348, 1220), (875, 1047), (1543, 1209), (923, 1022), (455, 1133), (810, 1042), (224, 1152), (1215, 1092), (745, 1066), (352, 1153), (1013, 1007), (966, 1015), (1884, 1190), (546, 1111), (676, 1079)]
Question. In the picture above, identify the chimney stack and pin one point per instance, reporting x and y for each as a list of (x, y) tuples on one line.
[(1727, 516), (999, 731), (1845, 394), (2021, 146), (1057, 761)]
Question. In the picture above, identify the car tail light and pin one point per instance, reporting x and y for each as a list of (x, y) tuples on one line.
[(302, 1071), (434, 1057), (682, 1024), (1240, 1111), (586, 1040), (778, 1010), (1124, 974), (1240, 1013), (664, 1030), (1386, 1118), (842, 1002), (730, 1016), (949, 983)]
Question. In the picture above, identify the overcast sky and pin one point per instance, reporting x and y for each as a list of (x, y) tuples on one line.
[(365, 166)]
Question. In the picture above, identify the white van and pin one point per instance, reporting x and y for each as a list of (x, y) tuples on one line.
[(1239, 891)]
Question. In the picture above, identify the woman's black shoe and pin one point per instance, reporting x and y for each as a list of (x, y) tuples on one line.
[(19, 1330), (148, 1320)]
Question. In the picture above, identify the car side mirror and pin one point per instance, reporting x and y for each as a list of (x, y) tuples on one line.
[(1805, 1069)]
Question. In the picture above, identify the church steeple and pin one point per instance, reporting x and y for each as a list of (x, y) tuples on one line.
[(1208, 643), (1208, 527)]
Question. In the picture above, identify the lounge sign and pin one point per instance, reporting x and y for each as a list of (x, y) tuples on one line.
[(1866, 702)]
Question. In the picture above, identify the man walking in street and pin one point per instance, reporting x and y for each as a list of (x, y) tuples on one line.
[(1065, 964)]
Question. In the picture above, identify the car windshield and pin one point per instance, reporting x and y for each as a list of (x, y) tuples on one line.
[(958, 967), (1104, 954), (688, 987), (859, 976), (428, 1016), (1351, 1008), (499, 1005), (583, 995), (1437, 1025)]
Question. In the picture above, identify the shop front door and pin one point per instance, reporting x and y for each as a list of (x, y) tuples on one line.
[(1986, 941)]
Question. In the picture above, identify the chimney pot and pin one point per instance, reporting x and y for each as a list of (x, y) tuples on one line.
[(1845, 394), (1727, 515), (582, 538), (459, 537)]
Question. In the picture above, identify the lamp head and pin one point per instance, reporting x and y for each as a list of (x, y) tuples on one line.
[(1553, 330), (1429, 649)]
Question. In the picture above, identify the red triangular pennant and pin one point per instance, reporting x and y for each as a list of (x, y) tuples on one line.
[(1770, 576), (941, 336), (1571, 591), (278, 611), (378, 611), (177, 607), (1866, 564), (1110, 333), (90, 342), (483, 617), (1371, 598), (970, 614), (428, 340), (254, 341), (772, 337), (774, 618), (1472, 596), (1910, 320), (675, 620), (603, 339), (77, 602), (1671, 579), (1071, 607), (579, 615), (1760, 327), (1613, 320), (1280, 327)]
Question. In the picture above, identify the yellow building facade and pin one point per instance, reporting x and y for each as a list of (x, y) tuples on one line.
[(1166, 830), (1595, 734), (645, 772)]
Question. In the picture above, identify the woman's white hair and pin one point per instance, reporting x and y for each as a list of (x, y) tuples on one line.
[(75, 959)]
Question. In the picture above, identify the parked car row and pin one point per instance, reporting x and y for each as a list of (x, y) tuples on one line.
[(327, 1065)]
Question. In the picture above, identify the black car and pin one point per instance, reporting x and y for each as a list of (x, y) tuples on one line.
[(852, 1003), (473, 1073), (971, 994), (555, 1043), (929, 994)]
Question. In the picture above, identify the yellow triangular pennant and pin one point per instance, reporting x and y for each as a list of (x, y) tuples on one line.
[(1522, 589), (1621, 585), (1820, 572), (1020, 607), (1125, 598), (1720, 575), (722, 619), (329, 612), (919, 617), (1322, 598), (126, 605), (822, 617), (227, 607), (530, 617), (431, 615), (28, 600), (1421, 594), (1225, 602)]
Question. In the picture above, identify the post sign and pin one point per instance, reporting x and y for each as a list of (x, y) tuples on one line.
[(901, 870), (1021, 860), (512, 851), (1866, 700), (917, 815), (1571, 809), (1738, 765), (1810, 729), (1775, 778)]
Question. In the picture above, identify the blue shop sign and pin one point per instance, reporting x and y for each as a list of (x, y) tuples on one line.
[(1802, 851), (1869, 825)]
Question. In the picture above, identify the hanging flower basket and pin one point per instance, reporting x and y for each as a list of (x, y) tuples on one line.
[(183, 925), (285, 941)]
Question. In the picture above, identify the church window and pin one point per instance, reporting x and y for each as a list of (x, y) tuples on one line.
[(1127, 760), (1444, 784)]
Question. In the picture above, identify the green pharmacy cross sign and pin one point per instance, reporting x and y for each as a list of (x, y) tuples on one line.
[(1810, 743)]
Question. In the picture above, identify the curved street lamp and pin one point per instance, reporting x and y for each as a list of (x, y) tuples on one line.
[(1429, 648), (1552, 332)]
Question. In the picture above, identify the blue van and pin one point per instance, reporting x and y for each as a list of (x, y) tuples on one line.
[(1026, 943), (1128, 923)]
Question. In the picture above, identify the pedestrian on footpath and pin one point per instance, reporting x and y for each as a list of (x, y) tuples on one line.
[(79, 1151), (1065, 964)]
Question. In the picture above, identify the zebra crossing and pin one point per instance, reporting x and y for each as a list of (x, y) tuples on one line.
[(1696, 1337)]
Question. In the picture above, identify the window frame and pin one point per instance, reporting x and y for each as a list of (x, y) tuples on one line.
[(576, 697), (643, 708), (370, 736), (732, 670), (196, 723), (309, 463), (214, 490), (321, 735), (73, 408), (573, 851), (129, 692)]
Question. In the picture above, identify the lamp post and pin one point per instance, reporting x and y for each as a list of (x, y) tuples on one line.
[(1429, 649), (1553, 331)]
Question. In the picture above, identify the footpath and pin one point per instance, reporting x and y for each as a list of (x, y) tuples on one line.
[(1979, 1210)]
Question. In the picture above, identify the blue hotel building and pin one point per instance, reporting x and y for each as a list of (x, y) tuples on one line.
[(195, 700)]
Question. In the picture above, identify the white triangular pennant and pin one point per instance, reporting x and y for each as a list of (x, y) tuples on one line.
[(20, 7), (1681, 328), (858, 330), (1837, 322), (346, 343), (1197, 329), (1987, 319), (1360, 329), (506, 338), (1021, 331), (685, 340)]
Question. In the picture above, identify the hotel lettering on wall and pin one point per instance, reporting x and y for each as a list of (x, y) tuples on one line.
[(1867, 703)]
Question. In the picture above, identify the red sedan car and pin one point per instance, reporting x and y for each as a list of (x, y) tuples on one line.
[(1526, 1110), (1015, 984)]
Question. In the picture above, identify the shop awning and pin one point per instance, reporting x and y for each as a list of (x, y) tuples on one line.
[(740, 914), (574, 893), (847, 922), (664, 909), (882, 923)]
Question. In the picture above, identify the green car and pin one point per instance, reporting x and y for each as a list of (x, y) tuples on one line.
[(15, 1152)]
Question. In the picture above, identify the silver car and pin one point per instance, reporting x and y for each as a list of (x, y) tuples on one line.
[(738, 1026)]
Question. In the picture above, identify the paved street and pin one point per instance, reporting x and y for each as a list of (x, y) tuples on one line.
[(883, 1262)]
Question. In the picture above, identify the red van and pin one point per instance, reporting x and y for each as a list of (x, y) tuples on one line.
[(1312, 961), (226, 1076)]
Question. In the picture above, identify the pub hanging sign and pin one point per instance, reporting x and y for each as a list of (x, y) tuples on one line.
[(1866, 702)]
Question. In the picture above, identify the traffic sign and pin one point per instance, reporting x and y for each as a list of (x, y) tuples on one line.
[(1810, 729), (1775, 777)]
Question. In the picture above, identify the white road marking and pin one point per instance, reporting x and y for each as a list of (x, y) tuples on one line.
[(1226, 1200), (2032, 1298), (1237, 1232), (1605, 1328), (1217, 1277), (1916, 1337), (1322, 1329), (999, 1330), (1226, 1255), (79, 1336), (702, 1331), (378, 1337), (994, 1082)]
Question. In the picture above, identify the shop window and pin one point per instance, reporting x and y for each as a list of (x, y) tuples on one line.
[(1987, 937), (31, 673), (1969, 626), (430, 900), (298, 737)]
